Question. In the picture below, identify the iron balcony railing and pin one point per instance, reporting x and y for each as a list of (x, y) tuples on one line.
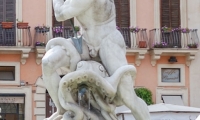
[(135, 38), (22, 37), (41, 38), (7, 37), (15, 37), (173, 39), (65, 32), (132, 38)]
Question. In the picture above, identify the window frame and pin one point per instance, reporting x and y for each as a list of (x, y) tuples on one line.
[(27, 90), (183, 14), (172, 99), (17, 73), (160, 91), (175, 81), (182, 74)]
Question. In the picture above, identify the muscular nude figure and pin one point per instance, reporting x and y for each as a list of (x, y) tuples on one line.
[(97, 18)]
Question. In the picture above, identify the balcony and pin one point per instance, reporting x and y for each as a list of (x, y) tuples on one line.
[(136, 43), (133, 40), (16, 40), (65, 32), (173, 43), (41, 38)]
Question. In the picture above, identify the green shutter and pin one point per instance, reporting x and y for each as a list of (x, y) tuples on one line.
[(170, 13)]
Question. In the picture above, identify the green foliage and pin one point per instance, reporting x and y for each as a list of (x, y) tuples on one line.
[(193, 45), (144, 94), (76, 28)]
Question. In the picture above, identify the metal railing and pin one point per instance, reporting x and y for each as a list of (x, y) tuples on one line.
[(15, 37), (135, 39), (7, 37), (65, 32), (132, 39), (172, 39), (24, 37), (127, 36)]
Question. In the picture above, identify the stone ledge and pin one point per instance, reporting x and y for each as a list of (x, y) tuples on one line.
[(39, 97), (39, 111), (24, 51), (156, 53), (40, 51), (40, 117), (139, 54)]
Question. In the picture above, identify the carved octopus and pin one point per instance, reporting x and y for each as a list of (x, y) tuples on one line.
[(105, 92)]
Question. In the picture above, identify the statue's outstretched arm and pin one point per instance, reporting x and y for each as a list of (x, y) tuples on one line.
[(70, 8)]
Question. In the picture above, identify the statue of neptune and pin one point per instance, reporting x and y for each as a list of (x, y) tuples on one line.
[(103, 40)]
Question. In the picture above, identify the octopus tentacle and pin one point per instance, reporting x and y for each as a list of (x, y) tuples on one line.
[(107, 85), (68, 46), (99, 86)]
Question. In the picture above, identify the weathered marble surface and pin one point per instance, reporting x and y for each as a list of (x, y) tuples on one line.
[(101, 73)]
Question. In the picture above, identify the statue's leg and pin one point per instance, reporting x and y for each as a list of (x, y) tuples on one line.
[(113, 52), (113, 55), (53, 59), (52, 88), (137, 106)]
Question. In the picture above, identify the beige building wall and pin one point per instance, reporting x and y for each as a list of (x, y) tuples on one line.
[(194, 22), (143, 15)]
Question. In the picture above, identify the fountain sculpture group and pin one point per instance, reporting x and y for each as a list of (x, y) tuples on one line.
[(100, 77)]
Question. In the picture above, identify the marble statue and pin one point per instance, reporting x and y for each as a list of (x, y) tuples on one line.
[(100, 77)]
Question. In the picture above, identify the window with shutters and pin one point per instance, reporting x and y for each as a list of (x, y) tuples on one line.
[(170, 13), (123, 18), (7, 13), (122, 13), (7, 10)]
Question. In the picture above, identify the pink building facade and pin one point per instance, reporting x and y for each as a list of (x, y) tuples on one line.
[(20, 58)]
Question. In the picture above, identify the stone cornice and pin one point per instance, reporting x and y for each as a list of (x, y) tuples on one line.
[(139, 54), (156, 53), (40, 51), (24, 51)]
